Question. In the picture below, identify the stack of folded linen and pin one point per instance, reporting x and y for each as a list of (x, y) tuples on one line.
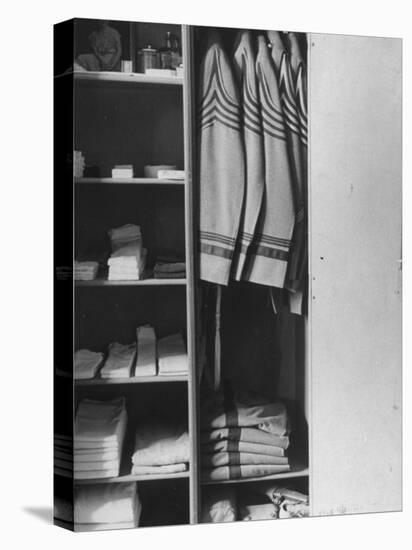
[(100, 428), (128, 258), (169, 268), (160, 448), (119, 362), (243, 437), (106, 506), (146, 352), (85, 271), (172, 355), (86, 363), (63, 455), (290, 503)]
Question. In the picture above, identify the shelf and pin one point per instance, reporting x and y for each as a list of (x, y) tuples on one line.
[(129, 78), (129, 181), (286, 475), (131, 380), (141, 282), (126, 478)]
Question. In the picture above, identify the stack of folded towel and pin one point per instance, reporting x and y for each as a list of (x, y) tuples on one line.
[(160, 448), (85, 271), (146, 352), (172, 355), (63, 455), (86, 363), (119, 362), (245, 436), (128, 258), (169, 268), (100, 428), (106, 506)]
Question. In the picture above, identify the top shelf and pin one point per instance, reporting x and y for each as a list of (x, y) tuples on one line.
[(130, 78)]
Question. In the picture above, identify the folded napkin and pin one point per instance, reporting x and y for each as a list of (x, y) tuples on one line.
[(158, 444), (119, 362), (172, 355), (86, 363)]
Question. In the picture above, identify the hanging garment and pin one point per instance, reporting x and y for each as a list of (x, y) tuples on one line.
[(269, 253), (298, 66), (244, 65), (287, 88), (222, 172)]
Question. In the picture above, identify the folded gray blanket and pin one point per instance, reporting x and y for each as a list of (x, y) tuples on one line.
[(250, 435), (233, 459), (222, 473), (235, 445)]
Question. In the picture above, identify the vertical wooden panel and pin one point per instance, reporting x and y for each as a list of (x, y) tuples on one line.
[(188, 106), (355, 232)]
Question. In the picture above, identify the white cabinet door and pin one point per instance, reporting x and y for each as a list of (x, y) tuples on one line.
[(355, 271)]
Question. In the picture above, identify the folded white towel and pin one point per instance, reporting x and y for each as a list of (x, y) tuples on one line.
[(172, 355), (97, 474), (146, 352), (86, 363), (100, 422), (165, 469), (159, 444), (119, 362), (98, 465)]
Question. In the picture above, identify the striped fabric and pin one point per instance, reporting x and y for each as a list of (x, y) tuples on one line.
[(292, 117), (222, 173), (270, 247), (244, 63)]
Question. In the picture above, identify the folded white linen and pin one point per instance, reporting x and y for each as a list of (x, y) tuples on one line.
[(172, 355), (165, 469), (97, 474), (119, 362), (85, 456), (159, 444), (100, 422), (97, 465), (86, 363), (146, 351)]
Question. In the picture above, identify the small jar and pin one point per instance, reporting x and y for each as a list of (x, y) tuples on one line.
[(147, 58)]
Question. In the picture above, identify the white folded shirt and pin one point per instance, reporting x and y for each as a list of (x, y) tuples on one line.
[(119, 362)]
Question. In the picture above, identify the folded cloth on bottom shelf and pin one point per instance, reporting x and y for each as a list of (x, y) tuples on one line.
[(233, 459), (237, 472), (172, 355), (218, 505), (146, 352), (86, 363), (236, 446), (105, 503), (165, 469), (119, 362), (251, 512), (161, 443), (86, 527), (250, 435)]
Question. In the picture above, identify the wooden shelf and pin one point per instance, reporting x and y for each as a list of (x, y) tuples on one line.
[(129, 181), (128, 78), (130, 477), (131, 380), (303, 471), (141, 282)]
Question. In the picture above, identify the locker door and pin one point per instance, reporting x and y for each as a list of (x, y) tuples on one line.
[(355, 272)]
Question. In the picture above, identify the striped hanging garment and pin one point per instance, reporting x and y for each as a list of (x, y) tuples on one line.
[(269, 254), (244, 63), (222, 172), (298, 68), (287, 88)]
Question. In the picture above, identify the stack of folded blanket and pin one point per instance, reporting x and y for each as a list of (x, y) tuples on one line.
[(106, 506), (172, 355), (100, 428), (160, 448), (86, 363), (85, 271), (245, 436), (128, 258), (146, 352), (169, 268), (119, 362)]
